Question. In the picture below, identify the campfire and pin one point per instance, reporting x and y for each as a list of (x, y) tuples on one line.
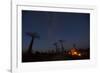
[(74, 52)]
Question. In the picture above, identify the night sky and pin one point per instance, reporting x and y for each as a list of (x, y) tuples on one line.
[(73, 28)]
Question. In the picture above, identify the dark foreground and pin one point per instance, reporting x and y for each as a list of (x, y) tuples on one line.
[(39, 57)]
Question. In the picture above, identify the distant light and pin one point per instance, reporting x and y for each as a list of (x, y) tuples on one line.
[(79, 54), (75, 53)]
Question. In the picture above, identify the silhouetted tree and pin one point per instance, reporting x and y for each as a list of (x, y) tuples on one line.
[(56, 46), (62, 47), (33, 36)]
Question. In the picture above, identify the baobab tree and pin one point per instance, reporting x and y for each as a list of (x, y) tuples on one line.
[(62, 47), (56, 46), (33, 35)]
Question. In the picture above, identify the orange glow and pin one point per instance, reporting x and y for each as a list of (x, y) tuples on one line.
[(75, 53), (79, 54)]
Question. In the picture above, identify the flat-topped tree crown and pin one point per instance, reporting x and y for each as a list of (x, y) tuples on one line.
[(33, 34)]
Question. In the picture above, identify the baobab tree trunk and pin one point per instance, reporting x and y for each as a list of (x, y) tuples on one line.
[(56, 48), (62, 47), (30, 46)]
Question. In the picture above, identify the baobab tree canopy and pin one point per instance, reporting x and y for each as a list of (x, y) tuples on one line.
[(33, 34)]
